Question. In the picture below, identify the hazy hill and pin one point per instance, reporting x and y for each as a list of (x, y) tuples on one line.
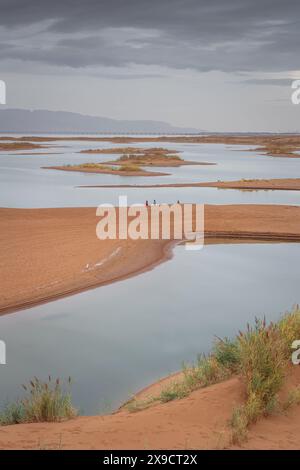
[(42, 121)]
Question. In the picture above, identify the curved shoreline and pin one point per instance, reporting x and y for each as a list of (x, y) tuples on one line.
[(172, 425), (167, 254), (30, 238), (15, 145), (120, 267), (50, 253), (107, 171), (273, 184), (273, 145)]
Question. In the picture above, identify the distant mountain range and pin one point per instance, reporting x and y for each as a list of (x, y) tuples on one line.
[(42, 121)]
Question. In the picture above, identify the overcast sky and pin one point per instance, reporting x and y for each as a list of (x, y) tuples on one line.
[(224, 65)]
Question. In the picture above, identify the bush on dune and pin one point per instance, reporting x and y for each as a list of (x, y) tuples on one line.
[(45, 401), (260, 356), (265, 355)]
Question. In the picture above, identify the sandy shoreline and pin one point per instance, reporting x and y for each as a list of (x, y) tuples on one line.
[(131, 164), (199, 421), (273, 145), (106, 171), (10, 146), (50, 253), (278, 184)]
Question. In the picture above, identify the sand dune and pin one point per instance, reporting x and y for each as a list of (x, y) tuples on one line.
[(199, 421)]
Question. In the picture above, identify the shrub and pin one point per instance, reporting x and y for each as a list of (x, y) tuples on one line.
[(261, 356), (177, 390), (45, 401), (98, 166), (13, 413), (206, 371), (129, 167), (292, 399), (262, 361), (227, 354), (264, 356), (289, 327)]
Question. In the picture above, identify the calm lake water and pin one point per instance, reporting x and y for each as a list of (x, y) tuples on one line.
[(23, 183), (117, 339)]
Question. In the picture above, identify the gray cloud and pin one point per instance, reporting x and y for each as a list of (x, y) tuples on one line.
[(225, 35), (282, 82)]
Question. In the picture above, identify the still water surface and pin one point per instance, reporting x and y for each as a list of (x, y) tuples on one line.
[(23, 183), (116, 339)]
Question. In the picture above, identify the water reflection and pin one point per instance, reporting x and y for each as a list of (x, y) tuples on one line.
[(24, 184), (116, 339)]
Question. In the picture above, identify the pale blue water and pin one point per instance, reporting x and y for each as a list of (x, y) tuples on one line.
[(113, 340), (117, 339), (24, 184)]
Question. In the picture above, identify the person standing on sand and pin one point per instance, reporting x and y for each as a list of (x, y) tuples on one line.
[(147, 204)]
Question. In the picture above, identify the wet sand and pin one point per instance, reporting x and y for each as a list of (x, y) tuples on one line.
[(131, 164), (50, 253), (11, 146), (107, 171), (274, 145), (278, 184), (158, 162)]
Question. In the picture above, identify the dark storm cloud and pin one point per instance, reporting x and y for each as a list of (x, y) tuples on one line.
[(227, 35)]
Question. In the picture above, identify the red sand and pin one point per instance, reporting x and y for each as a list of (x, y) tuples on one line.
[(199, 421), (49, 253)]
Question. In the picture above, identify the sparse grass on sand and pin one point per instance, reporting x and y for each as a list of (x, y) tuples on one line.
[(10, 146), (129, 163), (100, 166), (45, 401), (148, 158), (129, 167), (261, 356), (131, 151), (292, 399)]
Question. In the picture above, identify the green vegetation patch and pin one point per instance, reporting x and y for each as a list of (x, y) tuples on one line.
[(44, 401)]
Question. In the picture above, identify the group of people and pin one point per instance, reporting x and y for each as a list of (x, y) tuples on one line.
[(147, 203), (154, 203)]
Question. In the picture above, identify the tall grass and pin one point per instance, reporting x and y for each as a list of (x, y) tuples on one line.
[(44, 401), (260, 356), (206, 370), (293, 398), (265, 354)]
